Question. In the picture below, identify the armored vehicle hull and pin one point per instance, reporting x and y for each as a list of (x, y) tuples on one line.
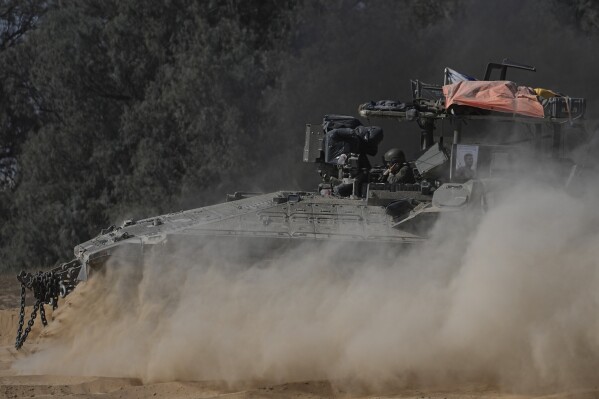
[(263, 223)]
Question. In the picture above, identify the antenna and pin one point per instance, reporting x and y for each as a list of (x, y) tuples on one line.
[(505, 64)]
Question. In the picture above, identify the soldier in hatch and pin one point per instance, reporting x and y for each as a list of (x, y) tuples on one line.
[(398, 170)]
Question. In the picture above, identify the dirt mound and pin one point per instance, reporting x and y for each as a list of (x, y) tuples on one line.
[(10, 292)]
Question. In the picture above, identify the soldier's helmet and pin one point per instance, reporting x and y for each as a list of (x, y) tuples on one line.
[(394, 155)]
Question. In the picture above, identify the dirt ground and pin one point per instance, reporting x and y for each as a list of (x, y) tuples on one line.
[(13, 385)]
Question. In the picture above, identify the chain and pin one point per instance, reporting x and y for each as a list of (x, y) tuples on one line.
[(46, 288), (21, 339), (43, 315), (18, 342)]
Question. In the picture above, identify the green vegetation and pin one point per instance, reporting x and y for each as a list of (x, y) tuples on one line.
[(125, 109)]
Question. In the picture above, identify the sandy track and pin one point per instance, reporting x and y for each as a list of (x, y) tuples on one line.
[(49, 386), (13, 385)]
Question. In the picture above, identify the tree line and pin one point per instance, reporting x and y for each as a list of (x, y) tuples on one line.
[(126, 109)]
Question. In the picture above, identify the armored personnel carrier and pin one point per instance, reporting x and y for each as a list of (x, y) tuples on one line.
[(474, 135)]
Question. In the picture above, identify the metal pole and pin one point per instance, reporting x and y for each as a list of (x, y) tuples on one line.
[(457, 137)]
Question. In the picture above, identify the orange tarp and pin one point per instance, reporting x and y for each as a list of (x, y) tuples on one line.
[(499, 95)]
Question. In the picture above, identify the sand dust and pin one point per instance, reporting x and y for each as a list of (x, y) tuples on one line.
[(15, 385), (505, 308)]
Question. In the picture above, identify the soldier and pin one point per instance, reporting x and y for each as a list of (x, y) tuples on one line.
[(398, 170)]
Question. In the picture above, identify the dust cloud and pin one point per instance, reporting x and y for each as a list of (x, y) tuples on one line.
[(508, 299)]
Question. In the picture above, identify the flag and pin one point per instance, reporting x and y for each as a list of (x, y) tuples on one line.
[(453, 76)]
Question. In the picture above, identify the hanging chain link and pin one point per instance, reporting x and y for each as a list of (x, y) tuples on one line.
[(43, 315), (21, 317), (46, 287), (21, 339)]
